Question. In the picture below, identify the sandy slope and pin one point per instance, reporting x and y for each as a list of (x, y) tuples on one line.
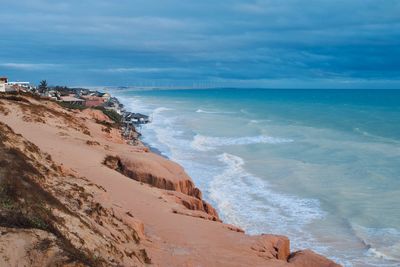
[(176, 226)]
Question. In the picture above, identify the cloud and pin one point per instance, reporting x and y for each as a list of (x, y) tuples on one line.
[(139, 70), (234, 40), (29, 66)]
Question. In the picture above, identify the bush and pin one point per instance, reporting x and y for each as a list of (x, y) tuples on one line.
[(13, 97), (114, 116), (71, 106)]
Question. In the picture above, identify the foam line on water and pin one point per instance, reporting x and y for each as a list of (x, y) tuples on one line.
[(204, 143), (250, 202), (245, 199), (213, 111), (383, 243)]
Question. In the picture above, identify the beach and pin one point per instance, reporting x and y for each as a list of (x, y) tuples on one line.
[(319, 166), (144, 208), (200, 133)]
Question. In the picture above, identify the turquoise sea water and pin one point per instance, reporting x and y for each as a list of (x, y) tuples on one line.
[(320, 166)]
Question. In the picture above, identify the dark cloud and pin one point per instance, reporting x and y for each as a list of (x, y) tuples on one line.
[(263, 42)]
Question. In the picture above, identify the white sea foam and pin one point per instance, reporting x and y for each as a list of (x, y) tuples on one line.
[(160, 109), (136, 105), (162, 133), (205, 111), (383, 243), (213, 112), (250, 202), (204, 143)]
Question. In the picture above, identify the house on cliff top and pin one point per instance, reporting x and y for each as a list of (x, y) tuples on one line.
[(72, 100), (93, 101), (3, 84), (136, 118), (105, 96)]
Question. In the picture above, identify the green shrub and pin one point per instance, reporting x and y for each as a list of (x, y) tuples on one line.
[(114, 116), (71, 106)]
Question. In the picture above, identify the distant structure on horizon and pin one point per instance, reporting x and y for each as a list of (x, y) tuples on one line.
[(3, 83), (6, 86), (26, 85)]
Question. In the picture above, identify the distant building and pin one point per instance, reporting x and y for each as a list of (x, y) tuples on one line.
[(18, 87), (3, 84), (53, 94), (105, 96), (136, 118), (26, 85), (113, 104), (93, 101), (12, 88), (73, 100)]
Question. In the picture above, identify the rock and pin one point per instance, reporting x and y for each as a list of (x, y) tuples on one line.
[(100, 220), (272, 247), (163, 174), (113, 162), (234, 228), (308, 258), (155, 170), (195, 204)]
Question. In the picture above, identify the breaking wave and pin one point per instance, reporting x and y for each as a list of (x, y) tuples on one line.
[(205, 111), (160, 109), (250, 202), (382, 243), (204, 143), (212, 112)]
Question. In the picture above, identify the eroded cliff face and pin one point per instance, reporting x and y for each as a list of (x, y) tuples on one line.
[(50, 217), (61, 206), (164, 174), (159, 172)]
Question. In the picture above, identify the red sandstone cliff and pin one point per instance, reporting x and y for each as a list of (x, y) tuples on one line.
[(69, 209)]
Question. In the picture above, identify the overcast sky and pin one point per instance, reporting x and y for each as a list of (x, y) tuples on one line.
[(260, 43)]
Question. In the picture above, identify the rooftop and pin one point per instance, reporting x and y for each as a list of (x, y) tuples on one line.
[(71, 99)]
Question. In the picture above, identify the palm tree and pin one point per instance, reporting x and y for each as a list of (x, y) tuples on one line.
[(43, 86)]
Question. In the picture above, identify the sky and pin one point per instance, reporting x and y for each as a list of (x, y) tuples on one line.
[(204, 43)]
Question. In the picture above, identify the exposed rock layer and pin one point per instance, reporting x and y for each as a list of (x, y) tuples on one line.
[(106, 219), (163, 174)]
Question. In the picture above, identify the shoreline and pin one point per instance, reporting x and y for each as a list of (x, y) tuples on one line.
[(160, 153), (154, 149), (152, 193)]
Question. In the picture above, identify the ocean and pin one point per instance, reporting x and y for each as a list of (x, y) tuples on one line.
[(319, 166)]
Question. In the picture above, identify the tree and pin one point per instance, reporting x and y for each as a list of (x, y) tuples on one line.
[(43, 86)]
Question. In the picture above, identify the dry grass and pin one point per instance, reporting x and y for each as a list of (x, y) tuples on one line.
[(13, 97), (34, 191), (114, 163), (25, 204), (92, 143), (36, 109), (4, 110)]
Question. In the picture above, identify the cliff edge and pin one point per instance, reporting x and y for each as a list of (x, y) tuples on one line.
[(73, 193)]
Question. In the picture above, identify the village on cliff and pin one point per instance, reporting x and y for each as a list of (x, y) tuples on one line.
[(77, 98)]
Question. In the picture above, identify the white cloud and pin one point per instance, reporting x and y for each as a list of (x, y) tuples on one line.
[(248, 38), (139, 70), (29, 66)]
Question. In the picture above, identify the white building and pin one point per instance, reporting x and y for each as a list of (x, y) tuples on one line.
[(21, 84), (3, 83)]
